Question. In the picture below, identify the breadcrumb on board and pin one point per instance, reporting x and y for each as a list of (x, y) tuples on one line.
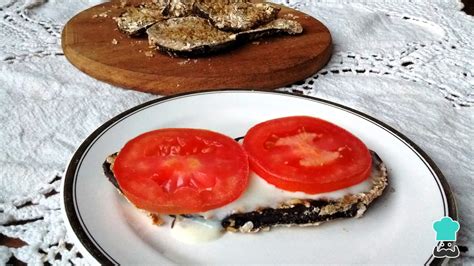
[(102, 15)]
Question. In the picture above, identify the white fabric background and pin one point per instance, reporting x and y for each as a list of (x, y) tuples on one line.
[(407, 63)]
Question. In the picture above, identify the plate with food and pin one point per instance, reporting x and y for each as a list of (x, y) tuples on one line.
[(168, 47), (239, 177)]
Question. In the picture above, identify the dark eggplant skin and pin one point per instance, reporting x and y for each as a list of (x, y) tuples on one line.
[(201, 51), (299, 214), (108, 171)]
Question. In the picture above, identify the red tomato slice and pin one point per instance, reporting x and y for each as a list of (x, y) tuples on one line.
[(181, 171), (307, 154)]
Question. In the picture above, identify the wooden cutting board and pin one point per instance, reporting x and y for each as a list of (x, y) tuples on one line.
[(92, 43)]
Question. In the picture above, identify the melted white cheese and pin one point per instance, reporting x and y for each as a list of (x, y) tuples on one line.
[(196, 230), (260, 193)]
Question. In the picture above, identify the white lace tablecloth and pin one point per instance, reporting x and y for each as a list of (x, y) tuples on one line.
[(407, 63)]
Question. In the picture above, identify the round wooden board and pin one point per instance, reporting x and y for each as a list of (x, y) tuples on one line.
[(88, 43)]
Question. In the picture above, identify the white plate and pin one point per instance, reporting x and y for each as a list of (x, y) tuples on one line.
[(396, 229)]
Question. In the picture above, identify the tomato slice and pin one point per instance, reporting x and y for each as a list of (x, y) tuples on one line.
[(307, 154), (181, 171)]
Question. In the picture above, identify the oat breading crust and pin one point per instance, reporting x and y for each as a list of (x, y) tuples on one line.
[(236, 15)]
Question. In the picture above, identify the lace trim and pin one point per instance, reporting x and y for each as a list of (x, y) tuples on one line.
[(25, 37), (36, 222), (445, 64)]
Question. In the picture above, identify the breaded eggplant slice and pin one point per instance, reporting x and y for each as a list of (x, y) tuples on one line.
[(189, 36), (296, 212), (108, 166), (308, 212), (235, 15), (276, 27), (135, 20)]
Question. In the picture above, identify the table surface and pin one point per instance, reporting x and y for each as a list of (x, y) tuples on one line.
[(455, 106)]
